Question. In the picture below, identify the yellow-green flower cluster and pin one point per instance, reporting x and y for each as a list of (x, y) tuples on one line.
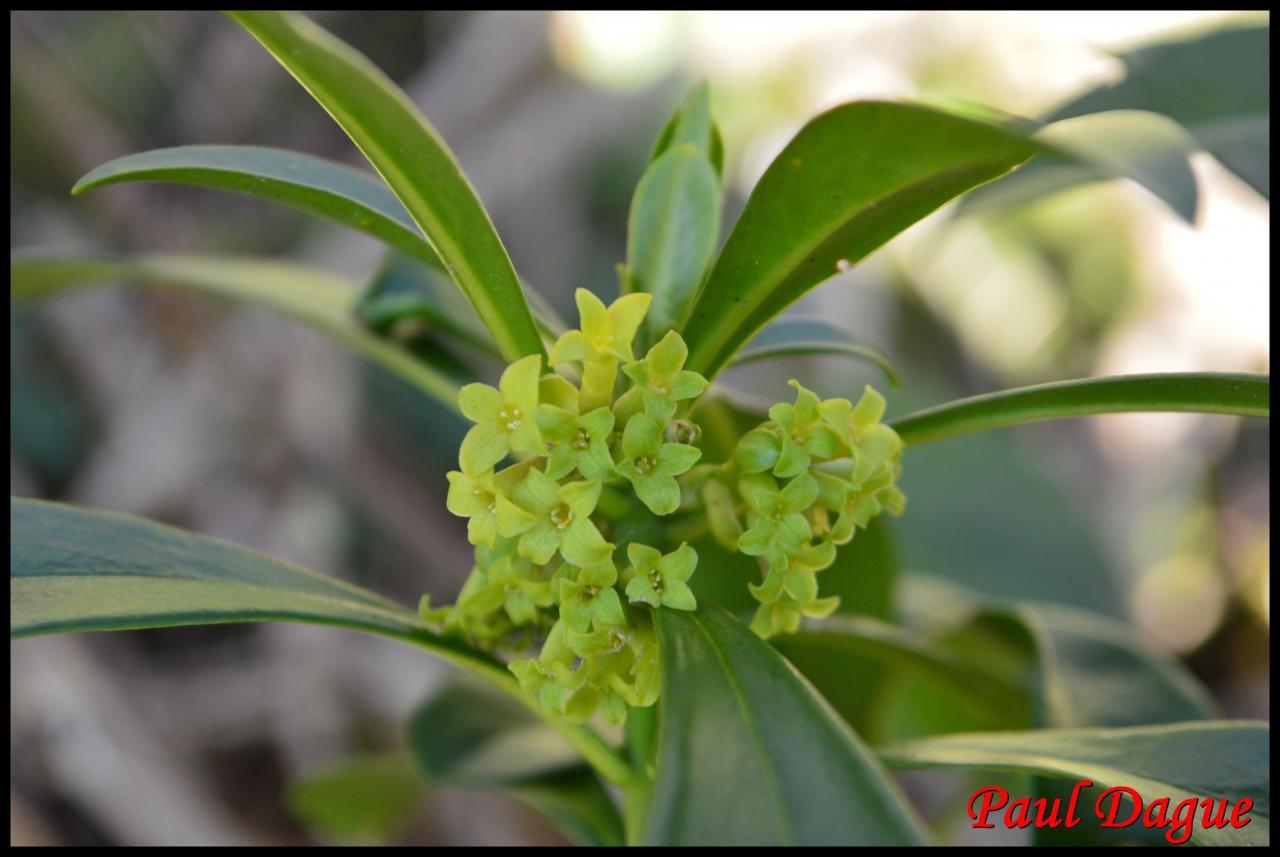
[(545, 566), (805, 480)]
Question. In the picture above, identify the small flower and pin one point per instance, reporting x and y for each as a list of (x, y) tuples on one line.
[(590, 601), (805, 436), (606, 334), (476, 498), (549, 517), (578, 442), (548, 677), (661, 581), (661, 380), (778, 527), (511, 583), (504, 418), (652, 465)]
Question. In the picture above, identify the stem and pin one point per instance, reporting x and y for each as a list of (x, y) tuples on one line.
[(1244, 394)]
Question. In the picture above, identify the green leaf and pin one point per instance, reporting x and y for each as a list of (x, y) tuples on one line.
[(794, 336), (1241, 393), (692, 124), (368, 799), (316, 298), (748, 754), (403, 288), (1223, 759), (73, 569), (1151, 149), (850, 180), (470, 737), (339, 193), (672, 232), (1217, 84), (415, 162)]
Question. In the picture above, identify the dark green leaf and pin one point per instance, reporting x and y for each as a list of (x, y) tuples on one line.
[(1223, 759), (317, 298), (1217, 84), (1242, 393), (350, 197), (365, 799), (415, 162), (748, 754), (671, 234), (468, 736), (850, 180), (795, 336), (1151, 149)]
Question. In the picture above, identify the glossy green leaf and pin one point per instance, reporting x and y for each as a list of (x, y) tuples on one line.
[(794, 336), (850, 180), (1216, 83), (749, 754), (671, 234), (316, 298), (368, 799), (1241, 393), (1151, 149), (349, 197), (415, 162), (73, 569), (468, 736), (692, 124), (1223, 759)]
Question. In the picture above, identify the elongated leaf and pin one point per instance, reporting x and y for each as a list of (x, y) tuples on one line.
[(1241, 393), (1223, 759), (468, 736), (1149, 148), (850, 180), (339, 193), (1217, 84), (692, 124), (748, 754), (793, 336), (672, 232), (366, 799), (413, 159), (73, 569), (313, 297)]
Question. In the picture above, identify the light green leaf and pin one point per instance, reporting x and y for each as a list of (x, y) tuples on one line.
[(468, 736), (339, 193), (367, 799), (748, 754), (415, 162), (792, 336), (692, 124), (672, 232), (1223, 759), (850, 180), (1241, 393), (316, 298)]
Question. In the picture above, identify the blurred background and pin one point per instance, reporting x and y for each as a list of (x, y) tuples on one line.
[(238, 424)]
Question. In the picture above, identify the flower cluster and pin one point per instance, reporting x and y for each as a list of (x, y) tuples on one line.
[(805, 480), (558, 563), (545, 566)]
